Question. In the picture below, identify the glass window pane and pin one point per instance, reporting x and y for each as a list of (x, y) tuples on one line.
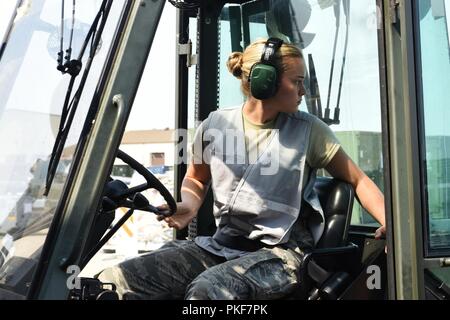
[(435, 68), (229, 92), (32, 92), (148, 138), (6, 12)]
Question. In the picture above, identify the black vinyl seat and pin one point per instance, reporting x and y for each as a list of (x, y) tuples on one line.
[(324, 272)]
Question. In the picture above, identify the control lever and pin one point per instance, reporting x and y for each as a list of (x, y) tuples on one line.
[(94, 289)]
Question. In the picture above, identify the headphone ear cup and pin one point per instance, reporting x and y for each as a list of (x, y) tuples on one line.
[(263, 81)]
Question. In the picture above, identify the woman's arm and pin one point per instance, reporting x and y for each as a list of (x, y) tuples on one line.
[(368, 194), (195, 185), (193, 191)]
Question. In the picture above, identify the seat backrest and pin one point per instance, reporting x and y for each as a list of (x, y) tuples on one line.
[(336, 198)]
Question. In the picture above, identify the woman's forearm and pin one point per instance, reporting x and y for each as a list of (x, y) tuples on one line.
[(193, 193), (371, 198)]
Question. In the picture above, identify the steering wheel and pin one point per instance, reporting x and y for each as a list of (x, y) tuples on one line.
[(119, 193)]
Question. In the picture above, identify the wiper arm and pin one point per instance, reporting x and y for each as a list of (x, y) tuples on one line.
[(73, 67), (337, 14), (313, 98), (337, 110), (346, 4)]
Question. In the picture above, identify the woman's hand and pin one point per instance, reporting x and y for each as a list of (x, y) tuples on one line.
[(182, 217), (380, 233)]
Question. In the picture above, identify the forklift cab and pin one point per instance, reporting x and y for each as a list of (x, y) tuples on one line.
[(368, 63)]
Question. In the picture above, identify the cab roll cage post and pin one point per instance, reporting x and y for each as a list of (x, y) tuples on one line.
[(404, 214), (385, 143), (208, 84), (181, 101), (249, 9)]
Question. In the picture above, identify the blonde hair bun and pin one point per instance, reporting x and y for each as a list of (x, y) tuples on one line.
[(234, 64)]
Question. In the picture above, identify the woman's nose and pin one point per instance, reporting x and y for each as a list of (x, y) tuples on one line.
[(301, 90)]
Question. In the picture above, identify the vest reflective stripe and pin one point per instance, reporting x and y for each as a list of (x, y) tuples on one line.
[(261, 200)]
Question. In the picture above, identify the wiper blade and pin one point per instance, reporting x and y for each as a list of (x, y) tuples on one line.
[(313, 98), (70, 106), (337, 110), (337, 14)]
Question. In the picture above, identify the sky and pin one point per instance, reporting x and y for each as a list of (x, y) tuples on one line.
[(154, 107)]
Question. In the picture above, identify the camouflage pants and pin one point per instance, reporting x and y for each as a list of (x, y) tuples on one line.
[(181, 269)]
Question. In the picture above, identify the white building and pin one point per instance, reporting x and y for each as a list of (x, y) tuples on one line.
[(150, 147)]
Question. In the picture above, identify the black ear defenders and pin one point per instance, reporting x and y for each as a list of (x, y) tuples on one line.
[(264, 76)]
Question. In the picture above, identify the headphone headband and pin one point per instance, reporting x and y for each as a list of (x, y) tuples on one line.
[(270, 49)]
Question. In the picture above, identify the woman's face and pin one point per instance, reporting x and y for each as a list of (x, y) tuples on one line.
[(291, 88)]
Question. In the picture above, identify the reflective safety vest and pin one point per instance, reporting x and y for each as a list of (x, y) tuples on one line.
[(260, 201)]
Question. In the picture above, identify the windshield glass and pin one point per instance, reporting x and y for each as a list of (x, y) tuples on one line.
[(32, 93), (434, 29)]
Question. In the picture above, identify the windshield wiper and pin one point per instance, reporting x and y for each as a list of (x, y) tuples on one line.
[(337, 13), (313, 99), (73, 67)]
